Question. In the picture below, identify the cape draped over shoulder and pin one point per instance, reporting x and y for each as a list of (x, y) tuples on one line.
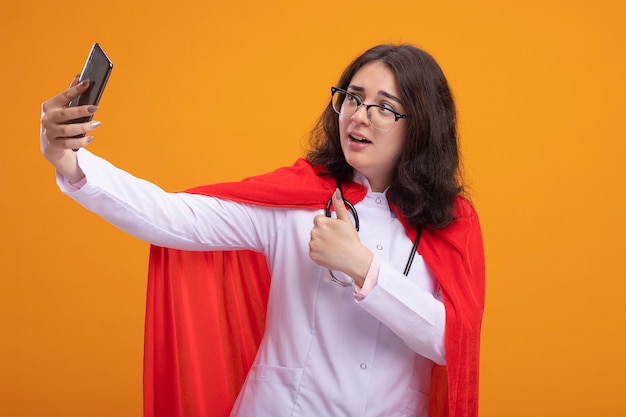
[(205, 311)]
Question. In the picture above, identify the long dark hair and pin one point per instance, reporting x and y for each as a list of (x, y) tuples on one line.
[(427, 177)]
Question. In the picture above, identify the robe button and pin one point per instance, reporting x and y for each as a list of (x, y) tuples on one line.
[(363, 366), (378, 200), (379, 247)]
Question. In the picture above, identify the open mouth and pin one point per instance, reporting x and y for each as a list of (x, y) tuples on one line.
[(359, 139)]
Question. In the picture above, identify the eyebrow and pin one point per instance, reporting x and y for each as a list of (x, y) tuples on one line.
[(380, 92)]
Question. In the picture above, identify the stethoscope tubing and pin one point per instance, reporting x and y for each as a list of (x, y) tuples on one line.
[(355, 215)]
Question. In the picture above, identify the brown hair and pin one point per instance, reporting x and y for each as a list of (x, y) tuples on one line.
[(427, 177)]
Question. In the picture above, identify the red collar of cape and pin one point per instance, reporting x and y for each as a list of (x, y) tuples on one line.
[(205, 311)]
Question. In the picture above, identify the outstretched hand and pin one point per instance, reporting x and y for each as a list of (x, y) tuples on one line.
[(335, 243), (57, 138)]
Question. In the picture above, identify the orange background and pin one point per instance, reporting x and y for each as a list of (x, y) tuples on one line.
[(204, 92)]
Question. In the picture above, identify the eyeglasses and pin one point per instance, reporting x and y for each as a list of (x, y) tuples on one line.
[(380, 116)]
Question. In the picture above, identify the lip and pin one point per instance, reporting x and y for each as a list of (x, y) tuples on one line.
[(355, 143)]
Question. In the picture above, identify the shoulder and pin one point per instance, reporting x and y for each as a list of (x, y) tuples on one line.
[(465, 225), (463, 208)]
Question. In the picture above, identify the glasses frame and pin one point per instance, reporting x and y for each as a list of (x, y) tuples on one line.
[(360, 103)]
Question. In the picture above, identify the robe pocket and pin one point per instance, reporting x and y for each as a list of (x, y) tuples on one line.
[(418, 404), (269, 391)]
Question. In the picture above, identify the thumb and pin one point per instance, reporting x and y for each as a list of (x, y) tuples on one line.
[(340, 208)]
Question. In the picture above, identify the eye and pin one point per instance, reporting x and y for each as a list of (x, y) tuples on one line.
[(388, 107), (356, 100), (385, 109), (351, 98)]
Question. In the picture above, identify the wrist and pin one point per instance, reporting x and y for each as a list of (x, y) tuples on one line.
[(361, 266), (67, 166)]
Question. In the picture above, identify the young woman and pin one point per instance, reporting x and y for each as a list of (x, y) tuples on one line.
[(375, 311)]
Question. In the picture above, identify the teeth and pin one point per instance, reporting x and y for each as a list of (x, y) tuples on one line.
[(362, 140)]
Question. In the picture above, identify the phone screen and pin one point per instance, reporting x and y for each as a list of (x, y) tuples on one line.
[(97, 70)]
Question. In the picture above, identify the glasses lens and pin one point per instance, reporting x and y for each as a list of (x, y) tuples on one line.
[(344, 104), (381, 118)]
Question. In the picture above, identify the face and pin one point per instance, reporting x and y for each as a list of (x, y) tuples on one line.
[(370, 151)]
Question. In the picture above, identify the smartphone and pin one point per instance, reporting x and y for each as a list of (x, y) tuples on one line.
[(97, 70)]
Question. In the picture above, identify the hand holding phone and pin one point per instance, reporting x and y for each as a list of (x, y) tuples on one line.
[(97, 70)]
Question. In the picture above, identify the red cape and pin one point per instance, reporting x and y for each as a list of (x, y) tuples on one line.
[(205, 311)]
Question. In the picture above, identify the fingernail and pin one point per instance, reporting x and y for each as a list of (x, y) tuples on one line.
[(92, 109), (90, 139), (84, 83), (95, 124), (338, 194)]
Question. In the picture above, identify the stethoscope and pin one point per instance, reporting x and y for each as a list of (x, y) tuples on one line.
[(355, 215)]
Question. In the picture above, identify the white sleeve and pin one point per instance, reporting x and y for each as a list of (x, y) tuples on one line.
[(175, 220), (411, 312)]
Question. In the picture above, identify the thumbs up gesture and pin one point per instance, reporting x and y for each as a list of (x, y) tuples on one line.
[(335, 243)]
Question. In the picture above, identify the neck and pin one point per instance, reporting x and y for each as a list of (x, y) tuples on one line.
[(378, 186)]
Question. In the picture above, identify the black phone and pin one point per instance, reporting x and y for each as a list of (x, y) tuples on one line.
[(97, 70)]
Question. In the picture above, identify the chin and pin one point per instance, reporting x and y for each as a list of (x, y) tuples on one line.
[(357, 165)]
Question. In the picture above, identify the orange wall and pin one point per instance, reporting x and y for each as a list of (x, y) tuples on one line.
[(203, 92)]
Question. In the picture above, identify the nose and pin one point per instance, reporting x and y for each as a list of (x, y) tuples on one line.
[(361, 116)]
